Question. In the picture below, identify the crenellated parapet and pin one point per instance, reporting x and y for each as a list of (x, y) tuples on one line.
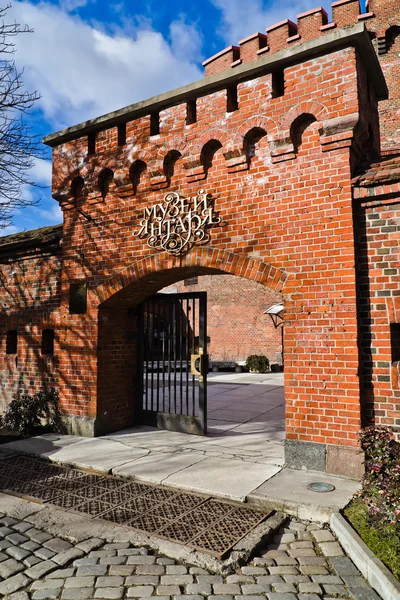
[(147, 147), (131, 171), (382, 20), (310, 25)]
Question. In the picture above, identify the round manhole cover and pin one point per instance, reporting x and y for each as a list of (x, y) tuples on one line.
[(319, 486), (50, 438)]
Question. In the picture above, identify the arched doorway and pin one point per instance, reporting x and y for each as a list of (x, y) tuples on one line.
[(126, 313)]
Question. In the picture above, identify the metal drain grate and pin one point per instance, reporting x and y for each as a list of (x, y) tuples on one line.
[(206, 524)]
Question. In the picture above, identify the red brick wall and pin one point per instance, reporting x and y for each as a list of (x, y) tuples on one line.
[(116, 368), (29, 300), (378, 226), (236, 323), (287, 220), (382, 19), (386, 27)]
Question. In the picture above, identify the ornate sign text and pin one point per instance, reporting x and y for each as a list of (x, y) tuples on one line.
[(178, 223)]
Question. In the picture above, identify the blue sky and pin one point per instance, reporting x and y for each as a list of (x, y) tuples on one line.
[(88, 57)]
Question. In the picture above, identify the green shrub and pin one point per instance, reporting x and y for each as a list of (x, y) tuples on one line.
[(381, 483), (257, 362), (27, 414), (375, 511)]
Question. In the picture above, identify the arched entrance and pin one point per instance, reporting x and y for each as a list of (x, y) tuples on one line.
[(123, 319)]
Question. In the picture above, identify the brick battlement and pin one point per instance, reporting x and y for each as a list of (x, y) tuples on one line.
[(382, 20), (154, 154), (310, 25), (286, 139)]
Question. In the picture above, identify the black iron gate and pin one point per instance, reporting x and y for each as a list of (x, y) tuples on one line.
[(172, 358)]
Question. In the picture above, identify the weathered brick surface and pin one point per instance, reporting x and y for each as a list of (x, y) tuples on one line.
[(280, 169), (30, 298), (290, 243), (381, 18)]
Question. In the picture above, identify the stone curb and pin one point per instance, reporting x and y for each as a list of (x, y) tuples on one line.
[(374, 571)]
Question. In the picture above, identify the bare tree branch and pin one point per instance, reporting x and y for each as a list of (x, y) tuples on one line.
[(18, 147)]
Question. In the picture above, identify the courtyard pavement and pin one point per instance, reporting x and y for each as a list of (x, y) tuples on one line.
[(242, 450), (241, 458)]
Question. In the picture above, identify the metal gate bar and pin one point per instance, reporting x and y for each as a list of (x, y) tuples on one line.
[(172, 353)]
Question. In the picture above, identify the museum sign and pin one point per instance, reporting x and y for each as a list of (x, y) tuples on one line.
[(178, 223)]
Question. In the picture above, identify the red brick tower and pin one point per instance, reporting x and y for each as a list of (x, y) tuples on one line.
[(383, 20)]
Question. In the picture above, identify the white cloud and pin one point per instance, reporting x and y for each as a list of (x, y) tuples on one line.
[(240, 19), (185, 39), (41, 171), (71, 5), (50, 215), (9, 230), (82, 71)]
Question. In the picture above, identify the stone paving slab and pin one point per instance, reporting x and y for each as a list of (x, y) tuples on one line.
[(288, 491), (160, 456), (87, 571), (218, 476)]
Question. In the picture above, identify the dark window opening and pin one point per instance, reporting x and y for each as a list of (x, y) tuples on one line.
[(232, 102), (391, 36), (169, 163), (154, 124), (191, 280), (78, 298), (92, 143), (48, 341), (121, 134), (298, 128), (104, 181), (251, 140), (12, 341), (135, 173), (191, 112), (278, 84), (207, 154), (77, 187), (395, 341)]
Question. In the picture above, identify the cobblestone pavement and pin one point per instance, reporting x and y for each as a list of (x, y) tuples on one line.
[(304, 562)]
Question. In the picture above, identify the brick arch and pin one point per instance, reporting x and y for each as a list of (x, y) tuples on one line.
[(318, 110), (205, 258), (178, 144), (231, 145), (226, 139), (261, 122), (121, 170), (94, 175), (73, 175), (135, 154)]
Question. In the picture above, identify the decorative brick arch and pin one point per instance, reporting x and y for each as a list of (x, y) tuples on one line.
[(135, 154), (319, 111), (260, 122), (231, 145), (177, 144), (121, 172), (227, 141), (216, 134), (221, 261)]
